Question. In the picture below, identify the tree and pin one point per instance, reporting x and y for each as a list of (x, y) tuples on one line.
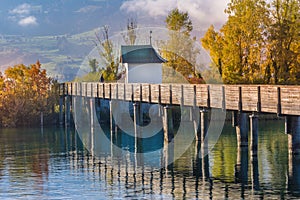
[(243, 35), (259, 43), (179, 50), (25, 92), (284, 42), (107, 53), (213, 42), (179, 22), (93, 63)]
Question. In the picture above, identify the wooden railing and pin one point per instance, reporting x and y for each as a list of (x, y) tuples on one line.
[(283, 100)]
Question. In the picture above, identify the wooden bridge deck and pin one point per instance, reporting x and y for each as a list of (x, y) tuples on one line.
[(283, 100)]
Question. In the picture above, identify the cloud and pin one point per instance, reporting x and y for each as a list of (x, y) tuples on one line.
[(202, 12), (27, 21), (152, 8), (23, 14), (23, 9), (88, 9)]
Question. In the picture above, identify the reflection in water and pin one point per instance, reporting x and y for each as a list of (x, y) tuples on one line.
[(56, 165)]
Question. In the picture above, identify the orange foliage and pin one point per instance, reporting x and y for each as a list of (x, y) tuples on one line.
[(24, 94)]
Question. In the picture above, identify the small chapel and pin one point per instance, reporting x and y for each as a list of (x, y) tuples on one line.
[(142, 64)]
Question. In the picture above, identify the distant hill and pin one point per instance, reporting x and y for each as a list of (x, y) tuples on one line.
[(61, 55)]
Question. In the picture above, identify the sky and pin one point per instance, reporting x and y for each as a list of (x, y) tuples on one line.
[(40, 17)]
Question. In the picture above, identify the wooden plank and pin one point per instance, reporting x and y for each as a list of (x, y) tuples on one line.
[(155, 93), (145, 94), (231, 97), (89, 89), (128, 93), (136, 91), (74, 89), (79, 89), (188, 94), (250, 98), (83, 89), (268, 99), (95, 89), (114, 90), (290, 100), (121, 91), (176, 95), (202, 95), (100, 90), (107, 91), (216, 96), (165, 93)]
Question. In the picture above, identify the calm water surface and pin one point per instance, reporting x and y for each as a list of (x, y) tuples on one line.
[(52, 163)]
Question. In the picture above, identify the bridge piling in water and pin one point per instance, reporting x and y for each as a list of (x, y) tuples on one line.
[(92, 124), (137, 119), (241, 167), (67, 110), (253, 134), (292, 128), (111, 119), (242, 129), (168, 124), (61, 112), (203, 127)]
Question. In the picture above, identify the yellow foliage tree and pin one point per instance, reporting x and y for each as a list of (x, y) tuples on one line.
[(25, 93)]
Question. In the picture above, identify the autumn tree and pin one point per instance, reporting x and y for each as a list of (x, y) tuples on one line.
[(284, 42), (179, 50), (107, 52), (25, 92), (213, 41), (259, 43)]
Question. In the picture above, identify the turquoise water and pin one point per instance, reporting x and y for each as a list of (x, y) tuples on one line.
[(52, 163)]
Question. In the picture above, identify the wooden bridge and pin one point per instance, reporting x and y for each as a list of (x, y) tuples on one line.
[(282, 100), (240, 99)]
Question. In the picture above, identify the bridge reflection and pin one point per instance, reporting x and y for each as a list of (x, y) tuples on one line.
[(193, 176)]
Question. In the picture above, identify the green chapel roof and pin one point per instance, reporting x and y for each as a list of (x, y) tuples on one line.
[(140, 54)]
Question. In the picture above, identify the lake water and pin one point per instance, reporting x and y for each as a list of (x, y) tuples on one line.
[(52, 163)]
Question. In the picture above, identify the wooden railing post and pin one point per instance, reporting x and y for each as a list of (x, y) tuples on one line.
[(208, 96), (149, 93), (170, 93), (223, 99), (278, 101), (159, 94), (240, 106), (258, 100)]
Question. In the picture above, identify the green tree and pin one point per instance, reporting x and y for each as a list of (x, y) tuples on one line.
[(179, 50), (179, 21)]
